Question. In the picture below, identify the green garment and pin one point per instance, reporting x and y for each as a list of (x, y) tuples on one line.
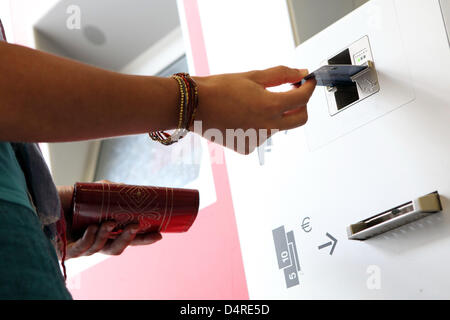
[(29, 267), (13, 187)]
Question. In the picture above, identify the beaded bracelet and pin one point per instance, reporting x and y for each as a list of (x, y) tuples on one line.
[(188, 108)]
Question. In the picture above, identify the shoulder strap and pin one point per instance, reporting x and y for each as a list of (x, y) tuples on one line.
[(2, 32)]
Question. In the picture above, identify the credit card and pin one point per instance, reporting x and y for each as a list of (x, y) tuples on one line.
[(333, 75)]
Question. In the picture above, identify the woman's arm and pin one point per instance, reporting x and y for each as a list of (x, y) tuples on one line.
[(44, 98)]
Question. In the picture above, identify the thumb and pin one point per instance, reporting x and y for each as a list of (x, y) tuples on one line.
[(279, 75)]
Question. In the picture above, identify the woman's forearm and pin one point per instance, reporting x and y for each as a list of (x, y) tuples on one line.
[(44, 98)]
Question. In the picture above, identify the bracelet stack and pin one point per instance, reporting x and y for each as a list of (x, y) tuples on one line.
[(188, 109)]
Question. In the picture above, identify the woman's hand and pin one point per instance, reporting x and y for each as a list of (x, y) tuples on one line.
[(96, 238), (241, 101)]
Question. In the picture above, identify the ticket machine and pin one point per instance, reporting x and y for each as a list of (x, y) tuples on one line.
[(363, 157)]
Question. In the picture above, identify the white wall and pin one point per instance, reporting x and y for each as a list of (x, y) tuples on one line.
[(159, 56), (25, 13)]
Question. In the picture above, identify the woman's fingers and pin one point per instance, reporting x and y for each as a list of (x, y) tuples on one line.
[(108, 182), (96, 239), (292, 99), (294, 118), (101, 237), (118, 245), (80, 246), (145, 239), (278, 75), (296, 97)]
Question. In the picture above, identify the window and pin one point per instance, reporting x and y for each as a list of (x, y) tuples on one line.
[(139, 160), (309, 17)]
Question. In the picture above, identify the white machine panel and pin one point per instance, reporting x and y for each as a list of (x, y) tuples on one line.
[(358, 53), (381, 23), (393, 147)]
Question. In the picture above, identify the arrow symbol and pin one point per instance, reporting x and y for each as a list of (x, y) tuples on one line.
[(333, 242)]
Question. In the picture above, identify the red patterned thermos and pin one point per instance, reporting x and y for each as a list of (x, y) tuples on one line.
[(155, 209)]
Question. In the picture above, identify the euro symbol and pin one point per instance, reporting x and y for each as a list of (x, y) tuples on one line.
[(305, 225)]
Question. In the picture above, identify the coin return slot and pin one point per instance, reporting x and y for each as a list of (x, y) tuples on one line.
[(396, 217)]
